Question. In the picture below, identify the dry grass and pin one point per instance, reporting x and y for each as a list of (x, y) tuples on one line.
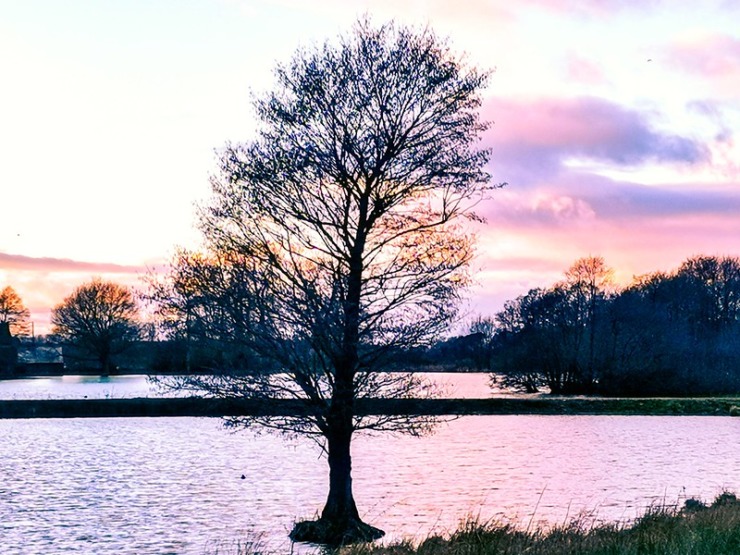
[(694, 530)]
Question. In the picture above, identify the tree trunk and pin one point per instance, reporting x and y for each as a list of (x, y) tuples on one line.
[(105, 365), (340, 504), (340, 522)]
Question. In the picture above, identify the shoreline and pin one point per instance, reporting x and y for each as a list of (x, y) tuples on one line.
[(206, 407)]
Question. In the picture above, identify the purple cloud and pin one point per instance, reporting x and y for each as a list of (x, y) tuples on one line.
[(593, 128), (576, 199), (714, 111), (532, 139)]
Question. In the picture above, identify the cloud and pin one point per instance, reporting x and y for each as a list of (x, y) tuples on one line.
[(631, 202), (711, 60), (582, 70), (709, 55), (533, 138), (541, 208), (17, 262), (637, 229), (594, 7), (575, 201), (714, 111)]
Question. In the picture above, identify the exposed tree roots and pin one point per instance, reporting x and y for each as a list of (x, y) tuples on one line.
[(334, 533)]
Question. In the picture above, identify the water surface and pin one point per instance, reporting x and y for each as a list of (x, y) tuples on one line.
[(451, 384), (174, 485)]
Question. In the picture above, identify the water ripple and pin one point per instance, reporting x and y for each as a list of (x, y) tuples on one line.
[(173, 485)]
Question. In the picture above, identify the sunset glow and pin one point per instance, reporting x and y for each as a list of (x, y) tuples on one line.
[(613, 126)]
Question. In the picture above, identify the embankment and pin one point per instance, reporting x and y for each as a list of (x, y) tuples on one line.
[(154, 407)]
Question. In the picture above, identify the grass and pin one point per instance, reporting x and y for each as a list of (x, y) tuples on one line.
[(247, 546), (696, 529)]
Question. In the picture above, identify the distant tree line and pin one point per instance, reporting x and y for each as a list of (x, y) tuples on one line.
[(94, 325), (666, 333), (207, 305), (675, 333)]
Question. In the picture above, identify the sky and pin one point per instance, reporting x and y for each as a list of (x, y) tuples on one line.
[(613, 125)]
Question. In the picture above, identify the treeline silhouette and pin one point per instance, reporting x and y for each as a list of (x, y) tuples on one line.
[(671, 333), (666, 333)]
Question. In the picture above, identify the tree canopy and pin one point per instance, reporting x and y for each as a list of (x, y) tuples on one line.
[(99, 319), (14, 312)]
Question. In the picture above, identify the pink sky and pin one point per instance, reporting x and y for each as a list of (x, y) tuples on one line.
[(614, 127)]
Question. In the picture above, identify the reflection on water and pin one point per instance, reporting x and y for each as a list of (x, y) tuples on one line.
[(455, 385), (173, 485), (77, 387)]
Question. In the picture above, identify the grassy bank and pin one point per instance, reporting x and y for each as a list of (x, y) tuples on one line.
[(694, 530), (69, 408)]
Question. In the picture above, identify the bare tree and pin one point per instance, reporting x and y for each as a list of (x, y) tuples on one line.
[(589, 281), (347, 209), (99, 319), (206, 302), (711, 290), (13, 312), (483, 328), (551, 336)]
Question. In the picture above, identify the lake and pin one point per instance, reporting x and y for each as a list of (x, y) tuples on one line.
[(456, 385), (174, 485)]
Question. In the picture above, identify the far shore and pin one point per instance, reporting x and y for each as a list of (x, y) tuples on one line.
[(29, 371), (512, 405)]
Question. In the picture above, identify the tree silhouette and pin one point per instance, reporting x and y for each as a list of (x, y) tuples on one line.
[(552, 337), (207, 302), (13, 312), (99, 319), (588, 282), (666, 333), (347, 210)]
